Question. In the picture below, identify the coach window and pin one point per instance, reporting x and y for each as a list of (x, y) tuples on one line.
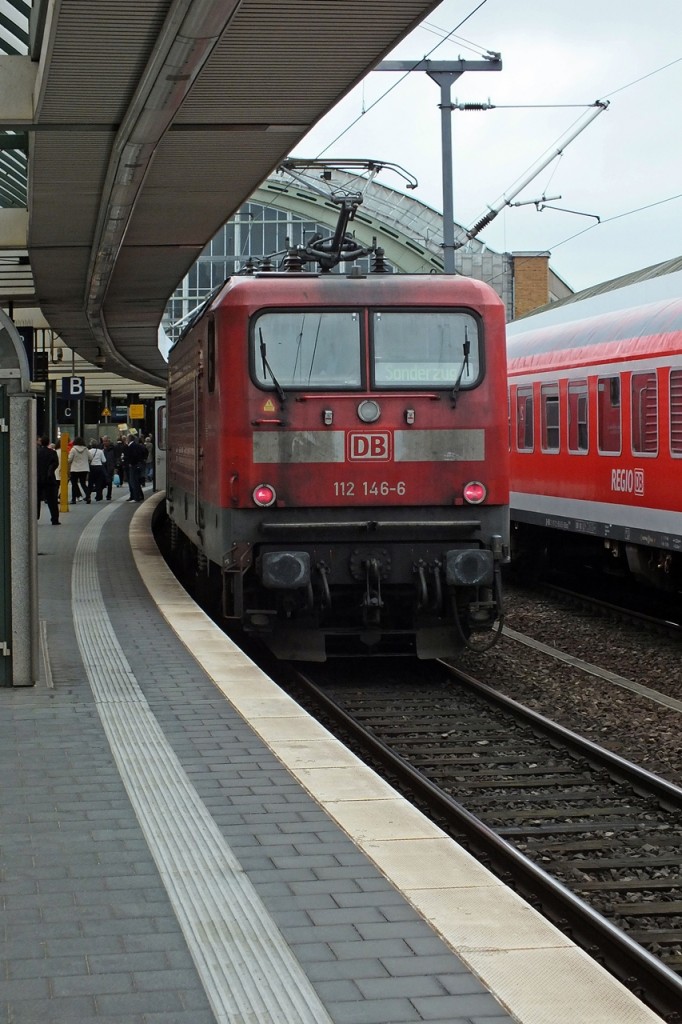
[(524, 419), (418, 349), (577, 416), (608, 415), (676, 412), (549, 399), (644, 413)]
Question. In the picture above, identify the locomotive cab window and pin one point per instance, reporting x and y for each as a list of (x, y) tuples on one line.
[(549, 397), (306, 348), (608, 415), (577, 416), (644, 413), (425, 349)]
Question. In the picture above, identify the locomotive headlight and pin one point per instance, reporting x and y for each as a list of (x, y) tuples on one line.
[(469, 567), (474, 492), (264, 495), (369, 411), (285, 570)]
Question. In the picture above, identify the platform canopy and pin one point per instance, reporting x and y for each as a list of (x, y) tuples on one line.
[(148, 123)]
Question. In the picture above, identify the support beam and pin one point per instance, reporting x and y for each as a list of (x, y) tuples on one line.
[(17, 82), (13, 229)]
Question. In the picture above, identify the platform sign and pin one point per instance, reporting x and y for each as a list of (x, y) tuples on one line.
[(73, 387), (136, 412)]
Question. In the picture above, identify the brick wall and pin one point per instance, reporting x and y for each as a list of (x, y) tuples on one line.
[(531, 281)]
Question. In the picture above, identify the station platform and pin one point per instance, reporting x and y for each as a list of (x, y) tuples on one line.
[(181, 843)]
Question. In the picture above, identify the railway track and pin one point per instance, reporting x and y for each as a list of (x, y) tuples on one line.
[(589, 839), (592, 840), (651, 612)]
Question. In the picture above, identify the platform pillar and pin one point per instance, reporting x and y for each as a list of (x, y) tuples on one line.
[(18, 497)]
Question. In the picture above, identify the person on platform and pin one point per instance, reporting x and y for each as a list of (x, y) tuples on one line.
[(48, 487), (79, 466), (135, 457), (98, 475), (110, 464), (119, 450), (149, 468)]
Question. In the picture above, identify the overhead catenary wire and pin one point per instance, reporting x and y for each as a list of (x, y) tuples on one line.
[(505, 200), (591, 227), (639, 209), (483, 222), (443, 33), (618, 216), (642, 78), (449, 36), (401, 79)]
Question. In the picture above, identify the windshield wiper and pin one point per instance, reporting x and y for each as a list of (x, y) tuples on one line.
[(268, 369), (465, 365)]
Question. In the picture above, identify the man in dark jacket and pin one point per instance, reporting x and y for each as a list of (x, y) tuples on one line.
[(134, 458), (119, 451), (48, 488)]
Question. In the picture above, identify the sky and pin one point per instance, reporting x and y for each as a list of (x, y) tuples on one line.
[(555, 54)]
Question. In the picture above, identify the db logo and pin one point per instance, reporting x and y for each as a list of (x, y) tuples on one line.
[(376, 447)]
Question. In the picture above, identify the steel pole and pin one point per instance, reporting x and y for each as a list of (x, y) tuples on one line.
[(444, 73), (445, 81)]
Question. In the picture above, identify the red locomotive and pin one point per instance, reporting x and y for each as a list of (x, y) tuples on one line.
[(596, 438), (337, 458)]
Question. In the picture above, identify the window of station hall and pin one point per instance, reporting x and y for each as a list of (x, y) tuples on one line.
[(254, 231)]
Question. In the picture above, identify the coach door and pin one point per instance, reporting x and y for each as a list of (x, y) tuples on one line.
[(160, 445), (200, 404), (204, 385), (5, 582)]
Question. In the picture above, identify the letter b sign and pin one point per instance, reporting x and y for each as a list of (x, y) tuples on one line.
[(73, 387)]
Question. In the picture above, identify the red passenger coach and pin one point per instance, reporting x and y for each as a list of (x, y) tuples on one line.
[(596, 439), (338, 462)]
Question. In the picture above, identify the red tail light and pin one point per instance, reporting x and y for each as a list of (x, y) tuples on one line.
[(474, 492), (264, 495)]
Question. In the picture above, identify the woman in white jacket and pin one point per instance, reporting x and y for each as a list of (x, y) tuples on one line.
[(98, 472), (79, 468)]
